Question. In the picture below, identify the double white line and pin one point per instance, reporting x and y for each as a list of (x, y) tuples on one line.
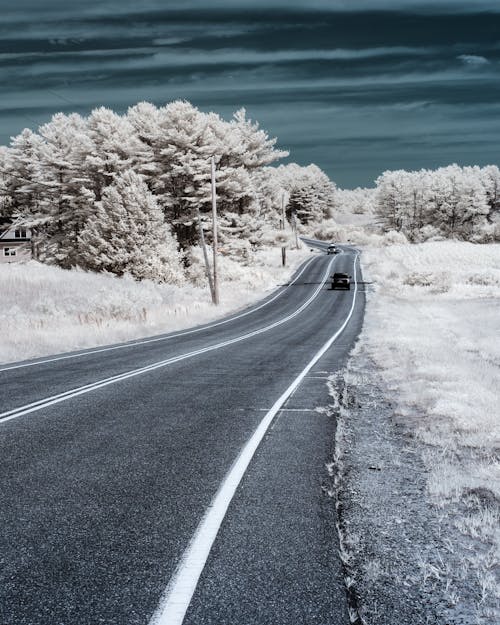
[(88, 388), (157, 339)]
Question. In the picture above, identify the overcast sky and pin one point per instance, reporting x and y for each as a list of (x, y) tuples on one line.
[(356, 86)]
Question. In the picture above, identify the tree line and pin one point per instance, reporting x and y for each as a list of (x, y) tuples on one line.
[(449, 202), (125, 193)]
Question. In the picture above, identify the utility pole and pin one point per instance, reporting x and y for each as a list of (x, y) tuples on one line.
[(282, 224), (214, 234), (205, 254), (294, 228), (213, 279)]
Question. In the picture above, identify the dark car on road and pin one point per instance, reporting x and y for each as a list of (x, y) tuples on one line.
[(341, 281), (332, 249)]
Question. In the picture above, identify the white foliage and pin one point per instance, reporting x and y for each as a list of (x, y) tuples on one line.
[(46, 309), (127, 234), (357, 201), (62, 180), (452, 202), (430, 326), (311, 192), (62, 209), (115, 148)]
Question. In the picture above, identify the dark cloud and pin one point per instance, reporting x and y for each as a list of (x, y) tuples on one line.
[(354, 89)]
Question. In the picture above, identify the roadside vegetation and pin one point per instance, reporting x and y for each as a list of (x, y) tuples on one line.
[(47, 310), (429, 350)]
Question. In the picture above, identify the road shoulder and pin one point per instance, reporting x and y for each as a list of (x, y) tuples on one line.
[(402, 556)]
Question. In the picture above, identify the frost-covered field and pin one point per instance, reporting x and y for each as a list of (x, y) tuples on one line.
[(432, 326), (46, 310)]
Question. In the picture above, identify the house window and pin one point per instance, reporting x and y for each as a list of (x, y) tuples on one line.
[(8, 251), (20, 233)]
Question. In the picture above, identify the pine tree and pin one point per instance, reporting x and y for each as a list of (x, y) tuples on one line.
[(6, 174), (115, 148), (23, 179), (128, 234), (176, 135), (182, 140), (312, 193), (66, 199)]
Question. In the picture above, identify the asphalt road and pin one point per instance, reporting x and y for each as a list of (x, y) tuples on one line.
[(109, 460)]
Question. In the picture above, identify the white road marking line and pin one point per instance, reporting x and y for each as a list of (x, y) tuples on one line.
[(175, 602), (159, 338), (81, 390)]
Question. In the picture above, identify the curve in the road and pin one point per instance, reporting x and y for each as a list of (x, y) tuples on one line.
[(75, 392), (104, 493), (175, 603), (164, 337)]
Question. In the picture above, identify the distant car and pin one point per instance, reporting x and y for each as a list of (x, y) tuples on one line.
[(332, 249), (341, 281)]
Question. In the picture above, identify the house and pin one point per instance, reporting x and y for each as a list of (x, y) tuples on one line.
[(15, 242)]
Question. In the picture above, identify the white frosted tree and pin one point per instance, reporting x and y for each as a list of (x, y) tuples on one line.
[(115, 147), (490, 178), (182, 140), (271, 193), (128, 234), (176, 134), (146, 121), (311, 192), (66, 199), (359, 201), (464, 203), (242, 143), (23, 179), (452, 202), (242, 150), (6, 175), (392, 202)]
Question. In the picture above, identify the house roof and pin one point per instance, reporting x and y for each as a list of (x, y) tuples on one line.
[(6, 225)]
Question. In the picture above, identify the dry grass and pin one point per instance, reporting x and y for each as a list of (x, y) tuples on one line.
[(46, 310), (432, 325)]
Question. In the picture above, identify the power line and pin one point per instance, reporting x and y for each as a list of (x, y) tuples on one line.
[(63, 98)]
